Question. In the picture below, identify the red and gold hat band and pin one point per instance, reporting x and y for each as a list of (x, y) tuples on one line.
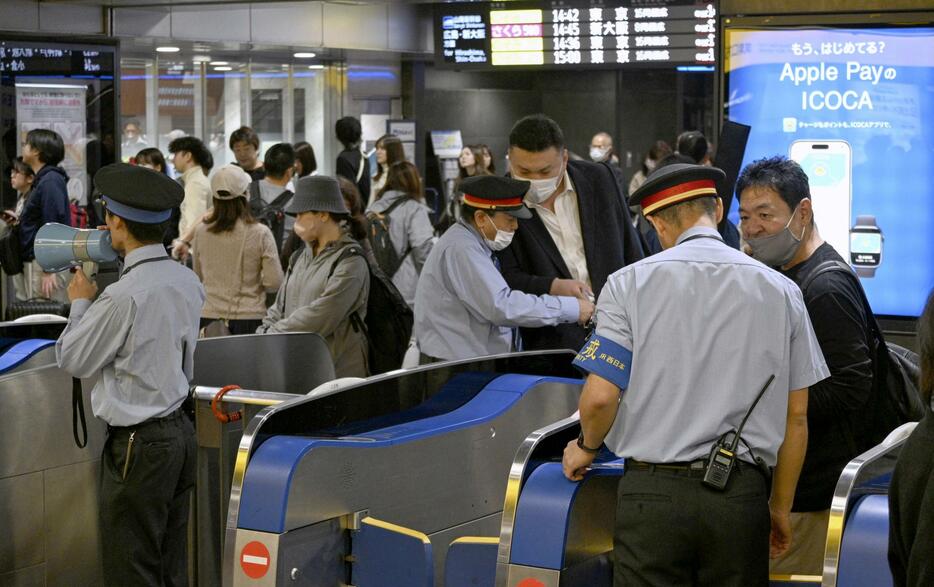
[(485, 204), (679, 193)]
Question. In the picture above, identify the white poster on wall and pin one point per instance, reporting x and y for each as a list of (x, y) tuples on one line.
[(60, 108)]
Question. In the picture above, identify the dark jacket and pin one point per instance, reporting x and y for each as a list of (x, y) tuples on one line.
[(48, 202), (348, 165), (533, 261), (911, 509), (837, 405)]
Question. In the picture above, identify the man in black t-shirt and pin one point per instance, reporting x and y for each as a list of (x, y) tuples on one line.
[(777, 221)]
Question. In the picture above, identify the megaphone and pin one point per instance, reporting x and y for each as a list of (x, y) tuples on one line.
[(59, 247)]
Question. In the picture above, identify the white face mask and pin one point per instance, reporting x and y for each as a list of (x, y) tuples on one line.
[(650, 164), (502, 239), (599, 153), (542, 188)]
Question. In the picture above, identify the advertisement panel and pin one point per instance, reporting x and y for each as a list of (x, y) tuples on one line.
[(852, 106)]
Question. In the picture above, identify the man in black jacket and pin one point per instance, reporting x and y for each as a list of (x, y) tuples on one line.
[(579, 233), (777, 220)]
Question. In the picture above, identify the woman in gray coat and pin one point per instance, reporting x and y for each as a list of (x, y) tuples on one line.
[(410, 227), (324, 288)]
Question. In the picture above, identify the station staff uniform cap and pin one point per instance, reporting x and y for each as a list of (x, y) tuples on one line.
[(497, 194), (317, 193), (674, 184), (230, 182), (138, 194)]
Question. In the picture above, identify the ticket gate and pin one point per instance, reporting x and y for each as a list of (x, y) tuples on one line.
[(558, 533), (370, 484), (48, 486), (275, 368)]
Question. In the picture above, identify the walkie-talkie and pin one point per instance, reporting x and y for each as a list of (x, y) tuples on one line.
[(723, 454)]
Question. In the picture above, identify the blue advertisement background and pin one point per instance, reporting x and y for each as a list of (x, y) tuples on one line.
[(892, 143)]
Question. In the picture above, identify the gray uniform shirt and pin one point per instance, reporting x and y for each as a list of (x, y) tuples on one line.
[(706, 326), (140, 334), (463, 306), (409, 230)]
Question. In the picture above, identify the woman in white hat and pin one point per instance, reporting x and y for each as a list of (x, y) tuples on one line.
[(235, 257)]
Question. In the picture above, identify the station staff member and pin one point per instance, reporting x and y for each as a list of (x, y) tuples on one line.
[(140, 337), (463, 306), (685, 340)]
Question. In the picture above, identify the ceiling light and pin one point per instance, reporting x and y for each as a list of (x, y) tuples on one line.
[(167, 49), (219, 63), (200, 59), (318, 66), (223, 68), (304, 55)]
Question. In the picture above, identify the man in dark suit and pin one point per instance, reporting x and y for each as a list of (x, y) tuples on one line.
[(579, 233)]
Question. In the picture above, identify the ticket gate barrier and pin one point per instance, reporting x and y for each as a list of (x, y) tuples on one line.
[(556, 533), (270, 369), (403, 463), (48, 486)]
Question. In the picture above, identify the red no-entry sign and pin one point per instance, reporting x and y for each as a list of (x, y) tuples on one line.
[(254, 559)]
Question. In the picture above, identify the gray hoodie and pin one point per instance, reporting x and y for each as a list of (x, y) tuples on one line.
[(409, 230), (309, 301)]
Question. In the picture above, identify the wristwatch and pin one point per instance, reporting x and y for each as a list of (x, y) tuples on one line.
[(583, 447), (866, 246)]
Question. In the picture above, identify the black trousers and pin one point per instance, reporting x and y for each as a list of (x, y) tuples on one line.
[(147, 472), (672, 530)]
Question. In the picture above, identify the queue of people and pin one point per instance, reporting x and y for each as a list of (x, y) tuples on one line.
[(554, 255)]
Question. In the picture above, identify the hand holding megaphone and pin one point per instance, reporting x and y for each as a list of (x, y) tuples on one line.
[(81, 288), (59, 247)]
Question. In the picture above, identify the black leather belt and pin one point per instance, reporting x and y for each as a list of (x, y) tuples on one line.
[(698, 465), (178, 413)]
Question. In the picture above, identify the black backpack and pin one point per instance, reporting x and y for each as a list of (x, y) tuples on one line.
[(271, 214), (895, 397), (389, 320), (386, 256)]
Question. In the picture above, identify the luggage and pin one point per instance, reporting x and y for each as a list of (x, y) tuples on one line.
[(896, 396), (36, 306), (272, 215), (386, 256), (389, 320), (11, 251)]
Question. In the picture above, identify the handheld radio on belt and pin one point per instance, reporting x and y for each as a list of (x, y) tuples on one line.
[(723, 454)]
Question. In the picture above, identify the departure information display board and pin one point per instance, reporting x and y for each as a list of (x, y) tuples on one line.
[(574, 33), (22, 57)]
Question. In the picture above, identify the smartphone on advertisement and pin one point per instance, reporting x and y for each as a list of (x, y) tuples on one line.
[(829, 167)]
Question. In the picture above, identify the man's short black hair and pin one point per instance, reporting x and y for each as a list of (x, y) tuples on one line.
[(694, 145), (672, 159), (48, 144), (348, 131), (536, 133), (778, 173), (201, 155), (145, 234), (681, 212), (279, 159), (244, 134)]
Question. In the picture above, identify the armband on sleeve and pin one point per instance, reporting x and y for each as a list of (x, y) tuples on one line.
[(601, 356)]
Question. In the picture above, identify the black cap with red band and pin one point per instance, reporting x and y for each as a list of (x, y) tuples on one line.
[(496, 194), (676, 183)]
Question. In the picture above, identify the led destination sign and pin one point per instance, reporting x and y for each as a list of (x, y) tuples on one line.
[(573, 33)]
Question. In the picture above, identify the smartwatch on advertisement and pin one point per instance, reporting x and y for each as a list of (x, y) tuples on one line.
[(866, 246)]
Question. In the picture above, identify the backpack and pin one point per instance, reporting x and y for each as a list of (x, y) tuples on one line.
[(386, 256), (389, 320), (272, 214), (11, 251), (895, 397)]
